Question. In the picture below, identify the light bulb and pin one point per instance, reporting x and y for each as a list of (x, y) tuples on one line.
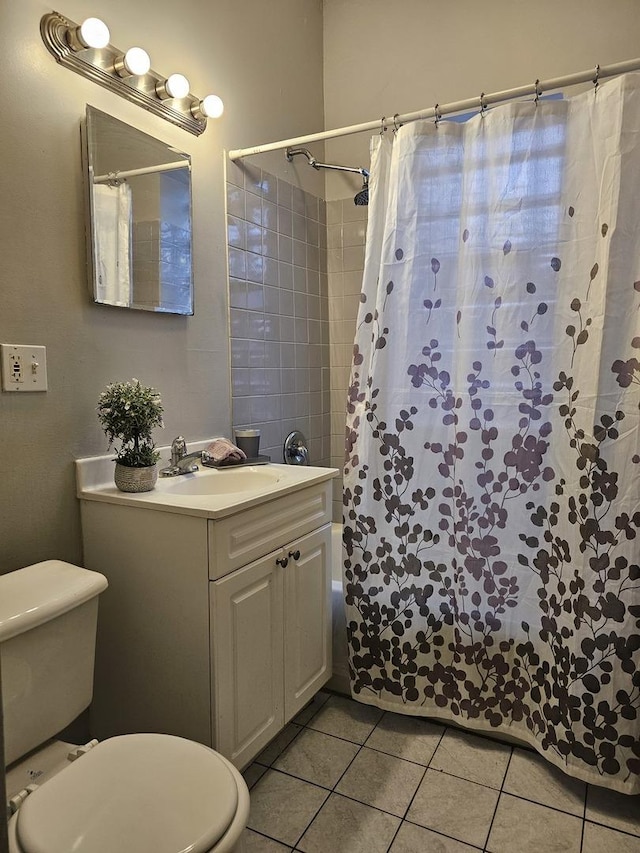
[(135, 62), (175, 86), (212, 106), (91, 33)]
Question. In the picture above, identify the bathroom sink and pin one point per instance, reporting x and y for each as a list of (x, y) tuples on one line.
[(208, 492), (217, 482)]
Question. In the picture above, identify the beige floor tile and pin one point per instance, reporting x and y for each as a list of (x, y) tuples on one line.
[(252, 773), (417, 839), (316, 757), (346, 718), (280, 742), (531, 828), (532, 777), (406, 737), (454, 807), (255, 843), (601, 839), (282, 807), (613, 809), (303, 717), (471, 757), (344, 826), (381, 780)]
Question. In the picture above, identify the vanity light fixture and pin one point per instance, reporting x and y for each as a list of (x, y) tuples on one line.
[(85, 48)]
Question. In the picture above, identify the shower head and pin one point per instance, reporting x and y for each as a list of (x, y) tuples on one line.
[(361, 198)]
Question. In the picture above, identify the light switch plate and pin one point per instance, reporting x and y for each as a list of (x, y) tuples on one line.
[(24, 367)]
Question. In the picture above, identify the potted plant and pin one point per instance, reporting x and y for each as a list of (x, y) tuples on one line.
[(128, 412)]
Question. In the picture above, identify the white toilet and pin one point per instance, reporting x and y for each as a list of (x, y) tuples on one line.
[(139, 793)]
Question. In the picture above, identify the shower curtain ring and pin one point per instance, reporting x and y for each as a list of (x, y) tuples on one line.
[(483, 105), (538, 92), (396, 124), (383, 126), (438, 114), (596, 79)]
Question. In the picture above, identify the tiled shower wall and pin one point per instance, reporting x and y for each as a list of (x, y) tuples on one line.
[(346, 229), (295, 275), (279, 311)]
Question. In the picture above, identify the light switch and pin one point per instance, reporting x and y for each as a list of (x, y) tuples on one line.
[(24, 368)]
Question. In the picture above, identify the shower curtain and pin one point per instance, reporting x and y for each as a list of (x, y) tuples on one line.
[(112, 237), (492, 473)]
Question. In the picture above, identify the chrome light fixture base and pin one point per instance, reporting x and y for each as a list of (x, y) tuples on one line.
[(99, 65)]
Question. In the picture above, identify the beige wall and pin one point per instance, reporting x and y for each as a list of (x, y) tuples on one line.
[(243, 52), (382, 58)]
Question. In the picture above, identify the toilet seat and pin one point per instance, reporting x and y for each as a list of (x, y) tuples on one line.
[(150, 793)]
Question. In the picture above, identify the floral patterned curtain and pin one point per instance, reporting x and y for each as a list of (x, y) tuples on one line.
[(492, 475)]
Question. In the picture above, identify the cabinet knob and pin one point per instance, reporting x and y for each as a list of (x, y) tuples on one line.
[(295, 554), (282, 561)]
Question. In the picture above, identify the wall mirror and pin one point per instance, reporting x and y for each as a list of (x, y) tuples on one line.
[(139, 229)]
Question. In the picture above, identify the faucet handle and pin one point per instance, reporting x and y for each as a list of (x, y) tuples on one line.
[(178, 449)]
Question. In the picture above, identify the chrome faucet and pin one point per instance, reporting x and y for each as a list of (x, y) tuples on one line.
[(181, 461)]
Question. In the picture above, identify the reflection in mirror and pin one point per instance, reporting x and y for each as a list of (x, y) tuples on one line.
[(139, 202)]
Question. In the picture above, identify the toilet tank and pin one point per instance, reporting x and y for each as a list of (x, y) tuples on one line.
[(48, 616)]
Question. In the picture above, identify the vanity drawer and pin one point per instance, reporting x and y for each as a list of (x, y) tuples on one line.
[(239, 539)]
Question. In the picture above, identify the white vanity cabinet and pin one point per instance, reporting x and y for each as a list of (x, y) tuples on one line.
[(270, 647), (216, 626)]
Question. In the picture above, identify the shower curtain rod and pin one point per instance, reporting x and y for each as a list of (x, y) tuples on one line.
[(149, 170), (600, 72)]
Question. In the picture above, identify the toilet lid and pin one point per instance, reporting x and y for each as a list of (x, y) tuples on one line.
[(146, 792)]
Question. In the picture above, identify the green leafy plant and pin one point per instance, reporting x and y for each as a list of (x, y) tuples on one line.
[(128, 412)]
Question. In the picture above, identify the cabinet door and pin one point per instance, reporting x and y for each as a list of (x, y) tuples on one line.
[(307, 618), (246, 652)]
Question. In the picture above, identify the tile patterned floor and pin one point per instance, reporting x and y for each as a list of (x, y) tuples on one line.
[(348, 778)]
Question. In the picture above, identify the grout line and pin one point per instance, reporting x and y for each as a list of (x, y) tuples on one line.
[(584, 816), (269, 837), (495, 811), (404, 817), (337, 737), (542, 805), (444, 835), (399, 757), (322, 805), (627, 832)]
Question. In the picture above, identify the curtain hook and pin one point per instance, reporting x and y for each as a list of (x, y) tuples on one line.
[(438, 114), (113, 179), (382, 125), (483, 105), (596, 79), (396, 124), (538, 92)]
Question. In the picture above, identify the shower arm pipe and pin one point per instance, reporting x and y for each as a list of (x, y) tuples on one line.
[(311, 160), (362, 172), (600, 72), (132, 173)]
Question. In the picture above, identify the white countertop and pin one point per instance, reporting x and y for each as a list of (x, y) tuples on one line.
[(94, 482)]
